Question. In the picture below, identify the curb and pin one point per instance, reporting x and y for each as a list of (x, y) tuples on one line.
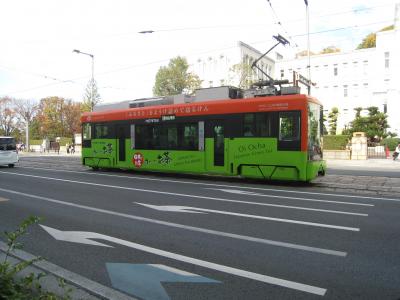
[(360, 188), (82, 287)]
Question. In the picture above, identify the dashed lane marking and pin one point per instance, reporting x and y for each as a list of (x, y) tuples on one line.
[(186, 227)]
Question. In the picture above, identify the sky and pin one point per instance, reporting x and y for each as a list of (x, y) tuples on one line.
[(38, 38)]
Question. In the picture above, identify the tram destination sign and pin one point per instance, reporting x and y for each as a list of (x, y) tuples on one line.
[(168, 118)]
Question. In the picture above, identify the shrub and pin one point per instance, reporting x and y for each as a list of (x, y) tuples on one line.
[(391, 143), (63, 141), (335, 142), (27, 287)]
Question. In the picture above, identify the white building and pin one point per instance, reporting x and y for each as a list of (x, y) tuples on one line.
[(216, 69), (359, 78), (346, 80)]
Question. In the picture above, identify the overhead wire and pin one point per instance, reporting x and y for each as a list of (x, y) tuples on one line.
[(73, 80), (278, 22)]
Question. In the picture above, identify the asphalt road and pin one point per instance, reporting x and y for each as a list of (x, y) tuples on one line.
[(204, 239)]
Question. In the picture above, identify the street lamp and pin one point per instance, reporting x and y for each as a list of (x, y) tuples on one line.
[(146, 31), (92, 89)]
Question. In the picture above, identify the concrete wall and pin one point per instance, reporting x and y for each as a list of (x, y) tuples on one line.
[(337, 154)]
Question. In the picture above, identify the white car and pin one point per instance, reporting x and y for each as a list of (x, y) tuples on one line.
[(8, 151)]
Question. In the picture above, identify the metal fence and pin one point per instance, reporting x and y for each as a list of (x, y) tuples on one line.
[(376, 151)]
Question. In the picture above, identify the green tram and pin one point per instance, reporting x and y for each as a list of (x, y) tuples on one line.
[(264, 137)]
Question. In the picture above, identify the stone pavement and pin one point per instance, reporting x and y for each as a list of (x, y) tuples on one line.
[(375, 185)]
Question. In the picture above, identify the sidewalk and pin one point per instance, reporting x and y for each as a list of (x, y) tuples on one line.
[(373, 185), (81, 287), (48, 154)]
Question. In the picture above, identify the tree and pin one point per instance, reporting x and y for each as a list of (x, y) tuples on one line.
[(324, 129), (72, 115), (304, 53), (370, 40), (330, 49), (375, 124), (91, 97), (26, 110), (7, 117), (332, 120), (241, 72), (175, 79), (57, 117)]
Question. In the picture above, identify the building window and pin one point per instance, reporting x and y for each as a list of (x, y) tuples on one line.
[(365, 66), (345, 91), (282, 73), (387, 60), (355, 90), (335, 70), (355, 66)]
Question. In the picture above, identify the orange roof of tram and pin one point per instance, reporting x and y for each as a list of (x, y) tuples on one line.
[(217, 107)]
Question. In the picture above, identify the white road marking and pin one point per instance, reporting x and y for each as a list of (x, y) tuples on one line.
[(192, 196), (218, 185), (191, 209), (82, 235), (3, 199), (186, 227), (291, 198)]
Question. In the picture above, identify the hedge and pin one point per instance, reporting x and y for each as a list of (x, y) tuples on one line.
[(63, 141), (335, 142)]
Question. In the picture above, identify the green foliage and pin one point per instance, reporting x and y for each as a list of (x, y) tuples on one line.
[(175, 79), (390, 27), (330, 49), (35, 142), (370, 40), (375, 124), (304, 53), (243, 72), (56, 117), (63, 141), (324, 120), (391, 143), (91, 97), (28, 287), (335, 142), (332, 120)]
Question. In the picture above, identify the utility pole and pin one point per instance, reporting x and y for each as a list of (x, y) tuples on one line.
[(308, 47), (92, 80)]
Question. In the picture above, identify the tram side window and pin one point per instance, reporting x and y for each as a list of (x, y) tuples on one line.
[(249, 125), (144, 137), (190, 139), (168, 137), (264, 124), (102, 131), (153, 137), (87, 132), (289, 126), (172, 137), (258, 124)]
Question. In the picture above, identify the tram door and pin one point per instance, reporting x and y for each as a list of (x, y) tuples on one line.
[(121, 136), (216, 131)]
